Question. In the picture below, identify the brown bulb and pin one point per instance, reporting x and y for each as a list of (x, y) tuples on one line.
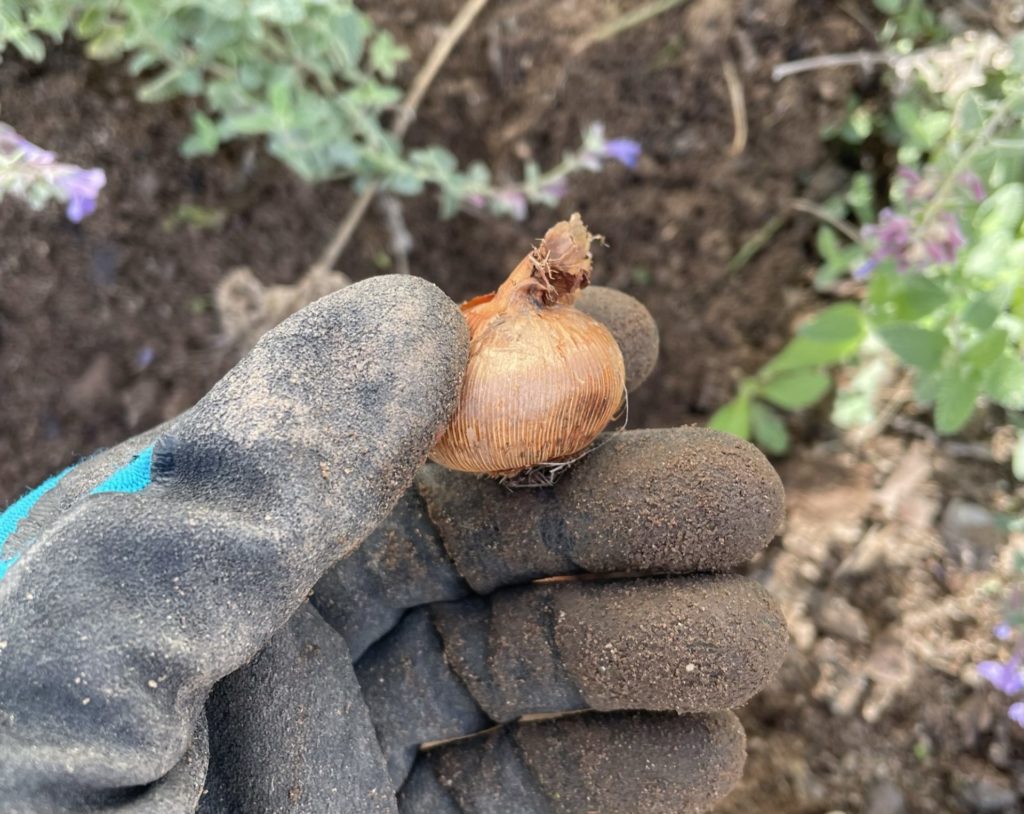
[(543, 377)]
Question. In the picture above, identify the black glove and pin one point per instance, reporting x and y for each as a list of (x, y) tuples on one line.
[(138, 580)]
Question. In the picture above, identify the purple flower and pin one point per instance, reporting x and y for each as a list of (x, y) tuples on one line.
[(12, 143), (894, 234), (1005, 677), (82, 187), (624, 150), (899, 238), (975, 186), (916, 186), (1003, 632), (556, 189), (514, 202), (943, 238), (1016, 713), (863, 271), (28, 167)]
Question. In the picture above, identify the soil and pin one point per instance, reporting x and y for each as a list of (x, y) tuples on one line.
[(109, 327)]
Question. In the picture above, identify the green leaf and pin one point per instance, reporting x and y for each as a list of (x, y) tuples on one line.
[(250, 123), (282, 12), (988, 256), (796, 389), (830, 337), (386, 55), (842, 322), (404, 184), (1004, 381), (91, 23), (1002, 211), (279, 95), (434, 160), (958, 391), (108, 44), (801, 352), (986, 349), (854, 404), (969, 115), (923, 129), (916, 297), (915, 345), (861, 196), (30, 46), (733, 417), (889, 7), (768, 429), (981, 313), (204, 138), (826, 241), (350, 29)]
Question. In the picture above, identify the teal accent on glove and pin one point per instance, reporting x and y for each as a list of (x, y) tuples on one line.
[(132, 477), (18, 511)]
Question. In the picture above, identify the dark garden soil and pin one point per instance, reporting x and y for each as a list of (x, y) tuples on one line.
[(109, 327)]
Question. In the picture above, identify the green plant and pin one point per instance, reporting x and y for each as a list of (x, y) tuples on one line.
[(938, 273), (314, 78)]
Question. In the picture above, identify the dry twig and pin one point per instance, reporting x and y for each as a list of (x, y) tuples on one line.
[(403, 118), (737, 101), (624, 22), (866, 60)]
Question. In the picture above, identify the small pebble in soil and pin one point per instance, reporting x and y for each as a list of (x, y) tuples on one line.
[(886, 798), (971, 533), (989, 795)]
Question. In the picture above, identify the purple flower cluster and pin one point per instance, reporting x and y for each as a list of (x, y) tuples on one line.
[(919, 238), (624, 150), (24, 165), (598, 149), (1006, 676)]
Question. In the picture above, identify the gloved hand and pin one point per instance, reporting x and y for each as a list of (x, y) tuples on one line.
[(158, 654)]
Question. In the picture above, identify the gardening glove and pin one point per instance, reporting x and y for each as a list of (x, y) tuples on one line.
[(157, 652)]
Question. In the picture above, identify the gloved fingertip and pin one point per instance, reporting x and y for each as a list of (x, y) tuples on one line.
[(632, 326)]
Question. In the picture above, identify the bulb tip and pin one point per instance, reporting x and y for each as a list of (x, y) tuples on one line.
[(563, 260)]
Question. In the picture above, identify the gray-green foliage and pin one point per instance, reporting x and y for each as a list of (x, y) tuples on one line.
[(314, 78), (941, 268)]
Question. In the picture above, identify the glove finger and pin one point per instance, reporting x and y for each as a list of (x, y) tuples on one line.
[(632, 326), (320, 427), (627, 763), (688, 644), (647, 501), (122, 615)]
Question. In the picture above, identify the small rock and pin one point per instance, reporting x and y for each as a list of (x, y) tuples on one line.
[(989, 795), (971, 533), (838, 617), (886, 798), (912, 471)]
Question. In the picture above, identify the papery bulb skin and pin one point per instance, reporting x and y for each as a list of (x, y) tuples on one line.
[(543, 378)]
